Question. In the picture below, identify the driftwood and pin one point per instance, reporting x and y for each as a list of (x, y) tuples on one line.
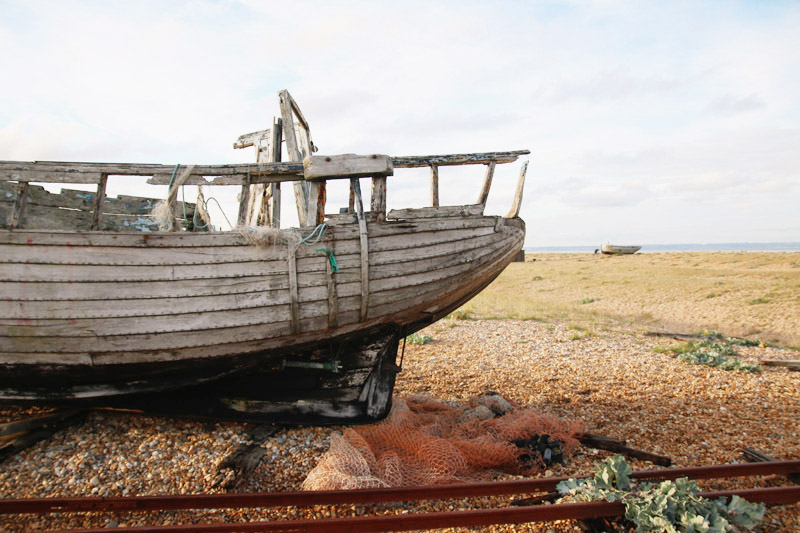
[(791, 365), (617, 446), (755, 456), (20, 434), (244, 459)]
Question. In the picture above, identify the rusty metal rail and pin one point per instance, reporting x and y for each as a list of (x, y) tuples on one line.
[(365, 496), (483, 517)]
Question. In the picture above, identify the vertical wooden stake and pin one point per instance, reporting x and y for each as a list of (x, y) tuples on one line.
[(434, 186), (487, 184), (291, 252), (300, 187), (378, 204), (275, 188), (244, 202), (100, 198), (333, 299), (316, 202), (16, 214), (514, 212), (362, 230)]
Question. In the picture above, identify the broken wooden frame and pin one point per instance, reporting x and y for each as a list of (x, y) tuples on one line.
[(313, 169)]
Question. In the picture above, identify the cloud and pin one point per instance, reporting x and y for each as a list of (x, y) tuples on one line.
[(729, 105)]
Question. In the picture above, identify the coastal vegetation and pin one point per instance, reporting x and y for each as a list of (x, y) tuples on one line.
[(741, 294)]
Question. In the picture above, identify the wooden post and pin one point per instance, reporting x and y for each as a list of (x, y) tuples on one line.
[(16, 215), (514, 212), (244, 203), (291, 252), (100, 198), (378, 204), (316, 202), (434, 186), (362, 230), (275, 188), (351, 205), (487, 184), (300, 187)]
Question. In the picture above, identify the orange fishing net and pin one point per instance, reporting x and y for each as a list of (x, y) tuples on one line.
[(427, 442)]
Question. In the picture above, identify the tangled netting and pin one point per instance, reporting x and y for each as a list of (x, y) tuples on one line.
[(427, 442)]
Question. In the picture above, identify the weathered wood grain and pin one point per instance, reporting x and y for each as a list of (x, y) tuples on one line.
[(487, 184), (19, 202), (364, 239), (434, 186), (378, 200), (346, 166), (517, 204), (457, 159), (447, 211), (100, 197)]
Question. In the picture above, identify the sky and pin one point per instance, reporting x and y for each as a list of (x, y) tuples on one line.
[(648, 122)]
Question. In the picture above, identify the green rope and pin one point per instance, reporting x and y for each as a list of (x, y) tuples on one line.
[(334, 266)]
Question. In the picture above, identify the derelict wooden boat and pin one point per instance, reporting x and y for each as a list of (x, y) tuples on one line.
[(98, 307), (614, 249)]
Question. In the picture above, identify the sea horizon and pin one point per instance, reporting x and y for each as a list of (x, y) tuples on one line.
[(686, 247)]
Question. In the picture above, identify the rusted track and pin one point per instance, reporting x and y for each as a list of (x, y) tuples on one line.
[(338, 497), (483, 517)]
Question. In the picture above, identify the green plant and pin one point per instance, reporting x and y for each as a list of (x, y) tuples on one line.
[(461, 314), (416, 338), (669, 506), (537, 278), (759, 301), (586, 300)]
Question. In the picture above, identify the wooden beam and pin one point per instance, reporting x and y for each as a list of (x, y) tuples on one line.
[(434, 186), (378, 202), (275, 188), (251, 139), (244, 203), (333, 297), (100, 198), (230, 174), (457, 159), (316, 202), (19, 202), (487, 184), (346, 166), (291, 252), (289, 135), (515, 207), (474, 210), (362, 230)]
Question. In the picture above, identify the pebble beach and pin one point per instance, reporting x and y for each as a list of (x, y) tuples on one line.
[(620, 380)]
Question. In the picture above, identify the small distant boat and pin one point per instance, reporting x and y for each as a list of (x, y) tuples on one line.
[(613, 249)]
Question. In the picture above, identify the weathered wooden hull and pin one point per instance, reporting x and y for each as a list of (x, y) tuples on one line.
[(93, 315)]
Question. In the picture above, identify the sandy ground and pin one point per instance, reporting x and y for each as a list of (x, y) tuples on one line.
[(610, 378)]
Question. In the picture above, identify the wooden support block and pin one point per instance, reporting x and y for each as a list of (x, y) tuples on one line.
[(98, 202), (346, 166), (434, 186), (378, 203)]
